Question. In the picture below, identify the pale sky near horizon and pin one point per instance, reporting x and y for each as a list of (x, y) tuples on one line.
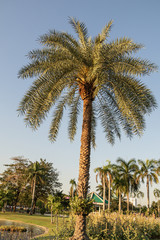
[(21, 24)]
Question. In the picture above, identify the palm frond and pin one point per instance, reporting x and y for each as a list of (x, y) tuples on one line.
[(81, 30), (121, 47), (57, 117), (109, 123), (104, 34), (75, 110)]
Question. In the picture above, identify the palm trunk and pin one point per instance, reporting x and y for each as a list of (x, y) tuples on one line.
[(128, 201), (148, 192), (109, 194), (51, 215), (33, 195), (72, 192), (104, 194), (34, 204), (120, 201), (84, 165), (16, 200)]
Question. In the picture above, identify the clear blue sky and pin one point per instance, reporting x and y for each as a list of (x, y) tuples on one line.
[(21, 23)]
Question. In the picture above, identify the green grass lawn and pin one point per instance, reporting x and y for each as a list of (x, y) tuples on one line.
[(44, 221)]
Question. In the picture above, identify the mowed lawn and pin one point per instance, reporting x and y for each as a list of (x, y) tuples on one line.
[(44, 221)]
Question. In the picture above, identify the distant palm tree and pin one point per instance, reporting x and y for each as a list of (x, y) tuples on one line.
[(139, 194), (102, 174), (50, 204), (127, 171), (119, 186), (156, 193), (147, 171), (108, 169), (100, 74), (99, 190), (35, 174), (73, 187)]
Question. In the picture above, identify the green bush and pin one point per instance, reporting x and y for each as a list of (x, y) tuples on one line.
[(42, 210), (81, 206)]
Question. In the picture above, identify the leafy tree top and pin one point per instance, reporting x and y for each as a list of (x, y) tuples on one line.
[(70, 70)]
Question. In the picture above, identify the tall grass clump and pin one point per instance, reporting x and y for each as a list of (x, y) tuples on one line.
[(115, 226), (112, 226)]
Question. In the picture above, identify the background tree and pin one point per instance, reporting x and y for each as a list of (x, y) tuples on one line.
[(17, 182), (50, 183), (119, 186), (100, 74), (57, 207), (13, 179), (43, 180), (156, 193), (7, 197), (147, 171), (127, 171), (50, 203), (73, 187), (102, 174), (35, 174), (139, 194), (99, 190), (108, 169)]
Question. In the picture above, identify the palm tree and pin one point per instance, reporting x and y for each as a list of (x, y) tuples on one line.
[(127, 171), (156, 193), (99, 190), (50, 203), (35, 174), (100, 74), (73, 187), (55, 204), (148, 171), (108, 169), (102, 174), (139, 194), (119, 186)]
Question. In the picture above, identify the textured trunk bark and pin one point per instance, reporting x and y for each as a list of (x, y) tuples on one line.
[(80, 229), (109, 194), (84, 165), (148, 192), (104, 194)]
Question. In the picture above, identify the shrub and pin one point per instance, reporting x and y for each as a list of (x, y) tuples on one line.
[(42, 210)]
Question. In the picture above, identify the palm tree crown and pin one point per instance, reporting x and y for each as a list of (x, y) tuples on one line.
[(156, 193), (68, 70)]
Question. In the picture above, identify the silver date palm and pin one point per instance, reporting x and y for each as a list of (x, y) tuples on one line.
[(101, 75)]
